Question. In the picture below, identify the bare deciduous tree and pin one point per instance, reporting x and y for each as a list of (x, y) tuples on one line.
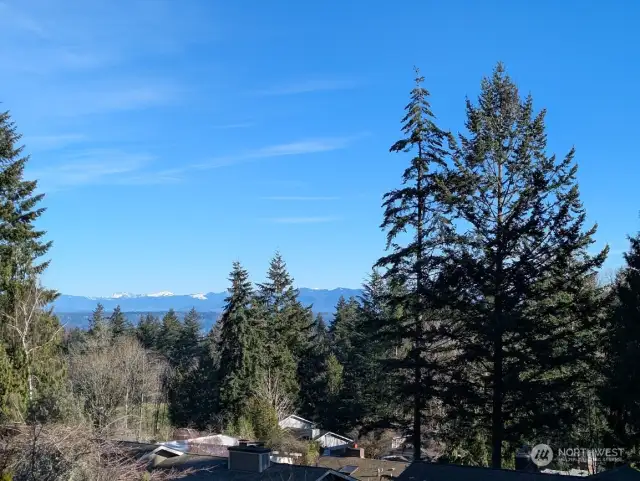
[(23, 323), (114, 379), (270, 389), (57, 453)]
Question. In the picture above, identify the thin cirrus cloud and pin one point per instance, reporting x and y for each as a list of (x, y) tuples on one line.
[(302, 147), (113, 167), (90, 167), (308, 86), (301, 220), (53, 141), (299, 198)]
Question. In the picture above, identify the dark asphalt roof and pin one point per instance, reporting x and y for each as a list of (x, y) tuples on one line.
[(424, 471), (215, 468), (623, 473), (367, 468)]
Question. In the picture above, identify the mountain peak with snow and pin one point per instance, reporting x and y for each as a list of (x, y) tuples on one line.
[(120, 295), (161, 294), (200, 296)]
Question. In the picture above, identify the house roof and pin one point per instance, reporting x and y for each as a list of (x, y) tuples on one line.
[(367, 468), (425, 471), (211, 468), (623, 473), (324, 433), (299, 418)]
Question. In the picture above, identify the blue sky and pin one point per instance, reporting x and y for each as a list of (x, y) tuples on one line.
[(175, 137)]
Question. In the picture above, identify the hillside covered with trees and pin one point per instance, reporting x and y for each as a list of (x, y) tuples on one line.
[(483, 326)]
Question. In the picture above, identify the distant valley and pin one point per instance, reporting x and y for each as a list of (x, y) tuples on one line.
[(74, 311)]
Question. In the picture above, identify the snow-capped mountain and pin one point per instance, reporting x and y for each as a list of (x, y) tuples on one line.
[(322, 300)]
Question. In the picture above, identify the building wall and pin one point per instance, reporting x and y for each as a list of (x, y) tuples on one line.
[(295, 424), (329, 441)]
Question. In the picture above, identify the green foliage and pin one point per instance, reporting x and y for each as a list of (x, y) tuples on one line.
[(169, 335), (119, 325), (242, 428), (148, 331), (237, 345), (517, 257), (21, 249), (263, 417), (334, 375), (620, 390), (413, 267), (286, 324)]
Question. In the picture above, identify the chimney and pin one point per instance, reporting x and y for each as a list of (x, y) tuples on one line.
[(355, 452), (248, 456)]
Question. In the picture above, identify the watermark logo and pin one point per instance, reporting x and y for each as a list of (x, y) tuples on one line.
[(541, 455), (591, 454)]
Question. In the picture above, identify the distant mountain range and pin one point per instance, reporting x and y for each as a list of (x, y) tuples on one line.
[(75, 310)]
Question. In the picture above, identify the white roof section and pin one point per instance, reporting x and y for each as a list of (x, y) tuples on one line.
[(298, 418), (339, 436), (165, 448)]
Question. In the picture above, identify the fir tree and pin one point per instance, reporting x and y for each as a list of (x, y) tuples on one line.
[(520, 255), (286, 323), (621, 369), (189, 342), (22, 247), (238, 358), (185, 391), (312, 371), (148, 331), (413, 267), (343, 328), (97, 321), (119, 324), (370, 393), (169, 336)]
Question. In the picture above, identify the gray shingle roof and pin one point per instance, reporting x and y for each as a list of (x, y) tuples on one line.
[(212, 468), (424, 471)]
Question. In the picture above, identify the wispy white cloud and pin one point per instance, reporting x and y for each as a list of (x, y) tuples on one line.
[(309, 86), (89, 167), (51, 142), (298, 198), (303, 147), (87, 102), (302, 220)]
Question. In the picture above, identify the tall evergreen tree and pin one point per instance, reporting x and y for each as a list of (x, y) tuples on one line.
[(119, 324), (98, 322), (413, 267), (312, 371), (190, 340), (343, 329), (369, 395), (22, 247), (148, 331), (185, 391), (520, 254), (238, 357), (169, 336), (286, 324), (621, 368)]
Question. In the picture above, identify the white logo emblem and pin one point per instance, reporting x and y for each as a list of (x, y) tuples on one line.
[(541, 455)]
